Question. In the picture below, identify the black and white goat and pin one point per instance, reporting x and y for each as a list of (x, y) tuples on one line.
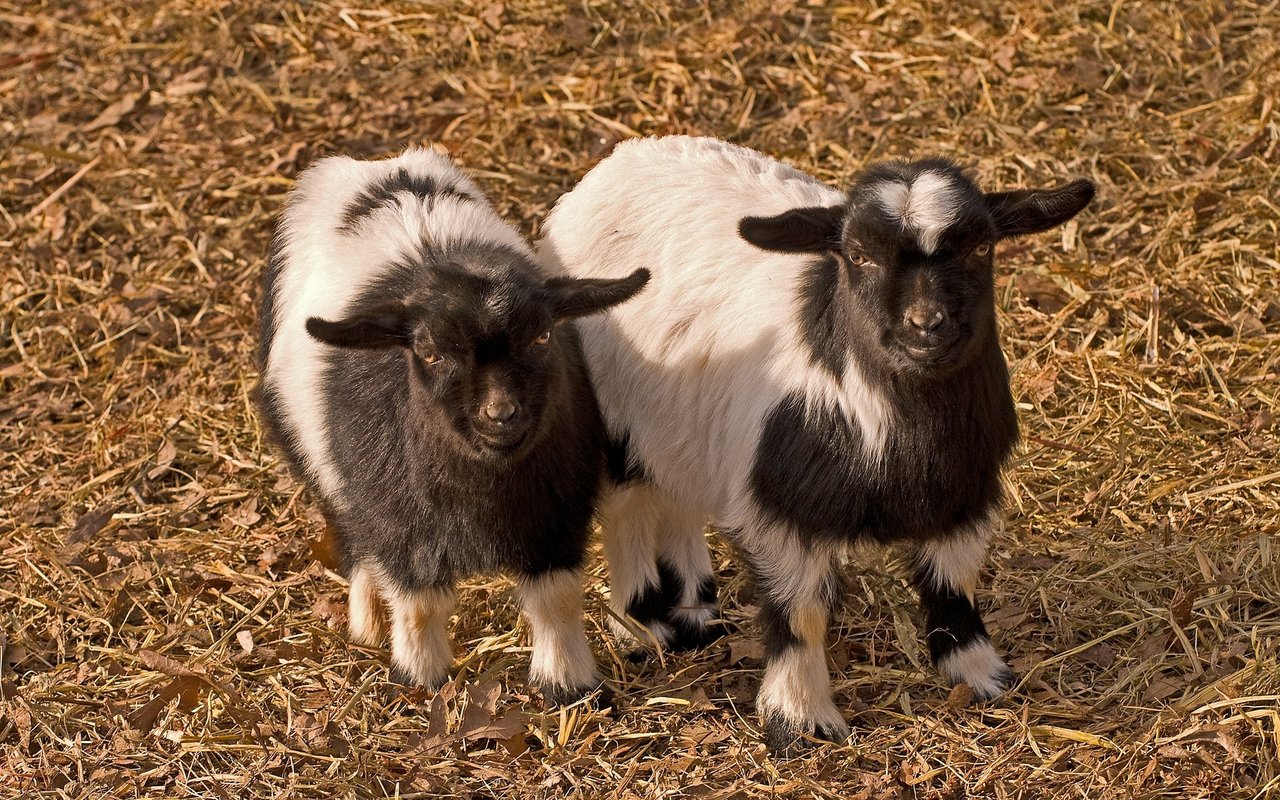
[(808, 368), (417, 379)]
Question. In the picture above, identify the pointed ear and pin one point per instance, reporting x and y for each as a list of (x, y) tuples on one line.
[(380, 326), (578, 297), (1025, 211), (799, 230)]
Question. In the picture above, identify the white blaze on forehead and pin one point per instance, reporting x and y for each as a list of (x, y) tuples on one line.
[(926, 206)]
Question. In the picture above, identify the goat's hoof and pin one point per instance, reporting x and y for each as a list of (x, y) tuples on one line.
[(786, 740), (995, 686), (598, 696), (404, 683), (686, 637)]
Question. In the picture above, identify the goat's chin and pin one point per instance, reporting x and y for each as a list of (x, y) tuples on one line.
[(928, 365), (498, 451)]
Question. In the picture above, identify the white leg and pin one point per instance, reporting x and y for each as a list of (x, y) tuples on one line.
[(796, 588), (420, 652), (688, 582), (364, 617), (561, 664), (946, 575), (659, 568), (630, 518)]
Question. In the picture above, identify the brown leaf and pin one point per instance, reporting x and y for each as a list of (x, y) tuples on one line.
[(1103, 655), (161, 663), (245, 515), (1160, 688), (961, 696), (1044, 384), (744, 648), (505, 727), (164, 458), (90, 523), (112, 114), (1183, 602), (245, 640), (1042, 292), (187, 689), (331, 612)]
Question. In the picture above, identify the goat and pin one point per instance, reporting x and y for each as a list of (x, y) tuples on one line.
[(808, 369), (422, 378)]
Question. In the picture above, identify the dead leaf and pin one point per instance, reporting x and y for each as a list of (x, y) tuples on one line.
[(740, 649), (162, 663), (961, 696), (112, 114), (90, 523), (245, 515), (505, 727), (331, 612), (1183, 603), (1044, 384), (187, 689), (164, 458), (1160, 688), (245, 640), (1041, 292), (1103, 655)]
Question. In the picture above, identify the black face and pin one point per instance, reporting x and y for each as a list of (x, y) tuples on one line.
[(916, 240), (920, 266), (481, 330), (482, 353)]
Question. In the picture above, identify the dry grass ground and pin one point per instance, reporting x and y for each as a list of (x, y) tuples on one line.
[(165, 629)]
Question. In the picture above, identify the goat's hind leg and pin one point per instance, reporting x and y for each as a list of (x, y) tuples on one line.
[(659, 569)]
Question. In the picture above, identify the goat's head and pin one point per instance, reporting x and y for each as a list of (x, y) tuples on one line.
[(917, 241), (482, 336)]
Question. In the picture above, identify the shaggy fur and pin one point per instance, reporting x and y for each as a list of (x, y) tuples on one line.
[(809, 368), (423, 379)]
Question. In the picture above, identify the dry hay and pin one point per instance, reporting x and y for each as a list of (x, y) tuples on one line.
[(165, 629)]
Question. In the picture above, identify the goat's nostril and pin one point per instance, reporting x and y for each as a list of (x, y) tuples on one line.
[(500, 411), (926, 319)]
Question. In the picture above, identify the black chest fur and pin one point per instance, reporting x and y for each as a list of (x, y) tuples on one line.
[(939, 468), (431, 514)]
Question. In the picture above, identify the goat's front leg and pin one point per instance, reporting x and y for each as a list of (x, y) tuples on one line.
[(420, 652), (946, 575), (561, 665), (796, 591)]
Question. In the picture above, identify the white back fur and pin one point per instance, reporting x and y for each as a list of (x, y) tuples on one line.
[(693, 365), (323, 267)]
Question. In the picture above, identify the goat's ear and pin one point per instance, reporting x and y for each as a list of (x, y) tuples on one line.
[(799, 230), (1024, 211), (578, 297), (380, 326)]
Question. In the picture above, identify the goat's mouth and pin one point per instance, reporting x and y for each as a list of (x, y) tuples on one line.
[(500, 442), (931, 355)]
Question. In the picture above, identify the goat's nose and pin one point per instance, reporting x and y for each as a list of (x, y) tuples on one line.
[(500, 410), (925, 318)]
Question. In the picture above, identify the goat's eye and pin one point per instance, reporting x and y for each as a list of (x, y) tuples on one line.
[(982, 250), (429, 358), (543, 338)]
